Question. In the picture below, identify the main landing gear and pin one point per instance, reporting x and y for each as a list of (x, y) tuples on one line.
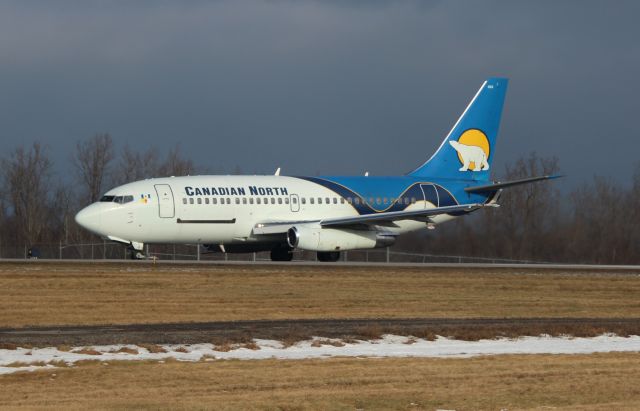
[(281, 254), (328, 256)]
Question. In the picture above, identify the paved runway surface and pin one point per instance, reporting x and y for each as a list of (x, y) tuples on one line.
[(617, 269), (238, 331)]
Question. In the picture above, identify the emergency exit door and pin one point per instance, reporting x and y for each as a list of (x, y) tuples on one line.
[(166, 206)]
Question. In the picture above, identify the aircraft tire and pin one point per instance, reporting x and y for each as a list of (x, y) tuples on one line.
[(281, 254), (328, 256)]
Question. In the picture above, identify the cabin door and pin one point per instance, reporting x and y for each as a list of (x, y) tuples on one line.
[(166, 206)]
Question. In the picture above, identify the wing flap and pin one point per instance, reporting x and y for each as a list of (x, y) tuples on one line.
[(362, 221)]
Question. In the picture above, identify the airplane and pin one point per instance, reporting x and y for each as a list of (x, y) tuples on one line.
[(328, 215)]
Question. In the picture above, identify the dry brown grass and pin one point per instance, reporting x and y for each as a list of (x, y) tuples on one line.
[(87, 351), (325, 341), (224, 347), (601, 381), (250, 346), (127, 350), (153, 348), (57, 294)]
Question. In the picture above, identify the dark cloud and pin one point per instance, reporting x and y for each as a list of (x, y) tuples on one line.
[(322, 87)]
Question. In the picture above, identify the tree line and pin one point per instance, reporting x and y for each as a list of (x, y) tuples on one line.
[(596, 222)]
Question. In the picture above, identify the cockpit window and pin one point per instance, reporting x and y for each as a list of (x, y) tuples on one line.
[(117, 199)]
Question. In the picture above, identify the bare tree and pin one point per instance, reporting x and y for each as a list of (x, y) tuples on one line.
[(26, 175), (176, 165), (133, 165), (92, 159), (528, 213)]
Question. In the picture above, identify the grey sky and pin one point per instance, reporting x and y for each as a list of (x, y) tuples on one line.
[(322, 87)]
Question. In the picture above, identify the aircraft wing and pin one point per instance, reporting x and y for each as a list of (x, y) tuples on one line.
[(277, 227)]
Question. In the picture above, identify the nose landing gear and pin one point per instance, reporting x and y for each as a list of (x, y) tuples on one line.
[(136, 251)]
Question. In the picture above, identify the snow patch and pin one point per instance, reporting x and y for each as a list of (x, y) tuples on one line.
[(389, 346)]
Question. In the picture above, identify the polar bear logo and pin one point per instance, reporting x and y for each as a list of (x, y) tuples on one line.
[(471, 154)]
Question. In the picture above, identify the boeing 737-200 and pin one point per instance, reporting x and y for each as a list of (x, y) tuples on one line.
[(323, 214)]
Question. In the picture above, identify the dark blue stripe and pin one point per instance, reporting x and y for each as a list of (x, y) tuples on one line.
[(432, 192)]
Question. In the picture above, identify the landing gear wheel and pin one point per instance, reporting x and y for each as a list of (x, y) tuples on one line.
[(281, 254), (136, 255), (328, 256)]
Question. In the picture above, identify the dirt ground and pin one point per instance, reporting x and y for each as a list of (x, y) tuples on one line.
[(572, 382), (77, 294)]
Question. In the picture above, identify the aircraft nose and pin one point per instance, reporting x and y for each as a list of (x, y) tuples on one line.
[(90, 218)]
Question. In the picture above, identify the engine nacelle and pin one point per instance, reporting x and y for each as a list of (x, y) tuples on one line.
[(315, 238)]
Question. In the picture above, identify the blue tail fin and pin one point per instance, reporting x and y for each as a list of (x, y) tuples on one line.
[(468, 149)]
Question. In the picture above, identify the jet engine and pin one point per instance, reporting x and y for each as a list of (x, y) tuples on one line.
[(316, 238)]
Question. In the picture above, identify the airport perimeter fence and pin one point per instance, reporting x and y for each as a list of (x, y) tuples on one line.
[(106, 250)]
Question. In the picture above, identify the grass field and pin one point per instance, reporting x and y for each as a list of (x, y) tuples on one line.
[(58, 294), (578, 382)]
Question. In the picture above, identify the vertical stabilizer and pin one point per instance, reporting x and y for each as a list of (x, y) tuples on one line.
[(468, 149)]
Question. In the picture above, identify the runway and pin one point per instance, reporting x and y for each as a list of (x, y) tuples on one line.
[(617, 269), (295, 330)]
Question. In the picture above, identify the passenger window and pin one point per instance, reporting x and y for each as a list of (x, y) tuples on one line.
[(244, 200), (370, 200), (319, 200), (406, 200), (258, 200), (279, 200), (303, 200), (214, 201), (341, 200), (206, 200), (250, 200), (228, 200), (286, 200), (385, 200), (356, 200), (265, 200), (378, 200), (199, 201), (184, 201), (191, 201), (413, 200), (349, 200), (273, 200), (335, 200), (327, 200), (295, 200)]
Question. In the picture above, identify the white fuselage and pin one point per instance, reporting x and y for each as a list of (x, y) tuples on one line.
[(219, 209)]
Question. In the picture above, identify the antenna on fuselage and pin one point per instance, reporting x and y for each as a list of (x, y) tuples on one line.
[(366, 174), (277, 173)]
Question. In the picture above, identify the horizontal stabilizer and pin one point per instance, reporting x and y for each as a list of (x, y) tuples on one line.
[(498, 186)]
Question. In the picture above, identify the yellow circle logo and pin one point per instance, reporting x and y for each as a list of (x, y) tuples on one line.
[(474, 138)]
